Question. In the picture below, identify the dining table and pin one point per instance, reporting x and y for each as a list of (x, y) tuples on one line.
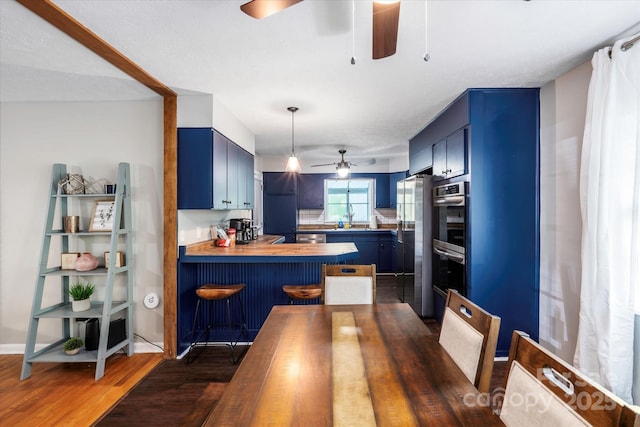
[(349, 365)]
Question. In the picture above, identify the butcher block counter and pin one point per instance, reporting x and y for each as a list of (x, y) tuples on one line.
[(263, 266), (264, 250)]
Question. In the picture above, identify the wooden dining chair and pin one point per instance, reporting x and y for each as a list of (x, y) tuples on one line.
[(470, 335), (542, 389), (348, 284)]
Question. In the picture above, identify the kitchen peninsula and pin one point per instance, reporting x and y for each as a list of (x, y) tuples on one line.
[(263, 265)]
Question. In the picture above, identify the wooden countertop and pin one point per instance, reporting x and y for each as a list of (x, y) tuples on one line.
[(263, 250)]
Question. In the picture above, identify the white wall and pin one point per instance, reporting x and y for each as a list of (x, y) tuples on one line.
[(206, 110), (92, 138), (563, 108)]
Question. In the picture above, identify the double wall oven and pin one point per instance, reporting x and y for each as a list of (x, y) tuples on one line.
[(450, 203)]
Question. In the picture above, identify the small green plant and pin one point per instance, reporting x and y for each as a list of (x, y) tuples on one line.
[(72, 344), (81, 291)]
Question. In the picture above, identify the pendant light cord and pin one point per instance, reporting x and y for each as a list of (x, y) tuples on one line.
[(293, 112), (353, 32), (426, 56)]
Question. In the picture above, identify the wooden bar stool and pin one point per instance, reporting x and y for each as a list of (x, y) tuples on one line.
[(302, 292), (208, 294)]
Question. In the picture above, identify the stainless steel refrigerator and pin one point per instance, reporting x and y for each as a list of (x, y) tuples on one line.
[(413, 246)]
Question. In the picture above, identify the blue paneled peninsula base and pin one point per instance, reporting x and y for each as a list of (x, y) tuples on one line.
[(263, 266)]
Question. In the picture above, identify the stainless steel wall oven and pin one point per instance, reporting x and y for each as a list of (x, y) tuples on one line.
[(449, 237)]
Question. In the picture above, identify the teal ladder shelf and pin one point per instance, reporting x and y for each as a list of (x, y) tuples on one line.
[(102, 277)]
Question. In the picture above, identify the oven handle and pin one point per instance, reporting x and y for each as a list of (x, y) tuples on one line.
[(458, 258), (452, 201)]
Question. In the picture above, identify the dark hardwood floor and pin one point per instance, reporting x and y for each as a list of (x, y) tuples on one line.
[(175, 393)]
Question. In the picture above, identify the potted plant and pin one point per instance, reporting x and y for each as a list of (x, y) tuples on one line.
[(80, 294), (72, 345)]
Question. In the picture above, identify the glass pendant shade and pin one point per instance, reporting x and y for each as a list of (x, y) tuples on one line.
[(293, 165), (343, 171)]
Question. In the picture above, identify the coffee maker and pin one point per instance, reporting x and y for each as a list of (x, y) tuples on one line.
[(243, 228)]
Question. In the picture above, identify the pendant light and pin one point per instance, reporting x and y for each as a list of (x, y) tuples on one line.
[(293, 165)]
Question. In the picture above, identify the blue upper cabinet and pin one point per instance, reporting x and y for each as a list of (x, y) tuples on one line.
[(245, 180), (195, 168), (280, 183), (311, 190), (450, 156), (393, 190), (213, 172), (382, 190), (421, 146)]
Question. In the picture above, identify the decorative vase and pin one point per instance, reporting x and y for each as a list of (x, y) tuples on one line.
[(82, 305), (72, 352), (86, 262)]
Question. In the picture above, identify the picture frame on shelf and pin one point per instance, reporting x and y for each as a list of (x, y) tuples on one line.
[(102, 216)]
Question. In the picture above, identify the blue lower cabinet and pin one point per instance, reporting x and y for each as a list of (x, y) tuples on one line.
[(374, 247), (385, 254)]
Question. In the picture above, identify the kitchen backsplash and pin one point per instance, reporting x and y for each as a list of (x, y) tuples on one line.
[(316, 216), (194, 225)]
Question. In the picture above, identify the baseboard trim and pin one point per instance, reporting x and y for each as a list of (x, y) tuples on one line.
[(138, 347)]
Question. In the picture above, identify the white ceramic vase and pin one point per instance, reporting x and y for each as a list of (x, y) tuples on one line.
[(82, 305)]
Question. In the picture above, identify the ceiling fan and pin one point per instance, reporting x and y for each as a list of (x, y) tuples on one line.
[(343, 167), (385, 21)]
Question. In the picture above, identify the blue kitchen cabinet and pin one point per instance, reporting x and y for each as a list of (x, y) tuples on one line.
[(280, 183), (208, 170), (393, 190), (311, 190), (495, 132), (280, 204), (394, 253), (420, 153), (220, 152), (450, 156), (374, 247), (385, 254), (382, 190), (245, 181), (280, 216)]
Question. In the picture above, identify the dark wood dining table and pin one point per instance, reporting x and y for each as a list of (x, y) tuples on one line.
[(349, 365)]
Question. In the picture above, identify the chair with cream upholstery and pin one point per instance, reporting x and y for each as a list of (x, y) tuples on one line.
[(541, 389), (469, 335), (349, 284)]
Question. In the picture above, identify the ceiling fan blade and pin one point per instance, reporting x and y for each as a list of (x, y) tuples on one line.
[(262, 8), (385, 28), (368, 162), (323, 164)]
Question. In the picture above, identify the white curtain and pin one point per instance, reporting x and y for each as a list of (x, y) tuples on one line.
[(610, 205)]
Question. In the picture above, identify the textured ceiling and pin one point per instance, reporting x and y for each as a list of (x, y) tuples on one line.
[(301, 57)]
